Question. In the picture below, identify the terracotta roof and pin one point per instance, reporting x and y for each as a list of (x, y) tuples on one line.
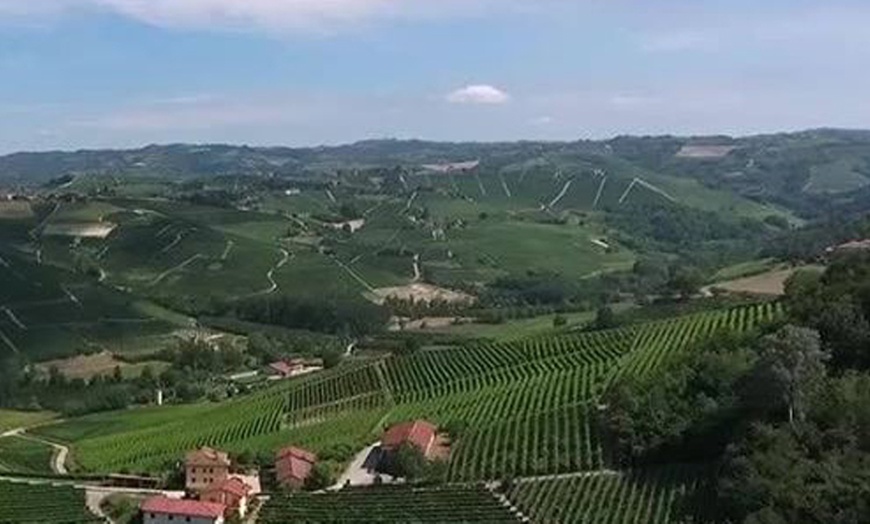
[(232, 485), (207, 457), (419, 432), (294, 463), (281, 367), (184, 508)]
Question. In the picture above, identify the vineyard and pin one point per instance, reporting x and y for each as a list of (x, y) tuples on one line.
[(389, 504), (662, 495), (527, 407), (33, 504), (24, 456)]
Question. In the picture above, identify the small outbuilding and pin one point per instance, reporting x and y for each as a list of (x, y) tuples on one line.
[(293, 467), (233, 493), (419, 433)]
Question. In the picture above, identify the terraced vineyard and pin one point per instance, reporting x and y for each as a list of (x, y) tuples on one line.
[(670, 494), (527, 405), (36, 504), (389, 504)]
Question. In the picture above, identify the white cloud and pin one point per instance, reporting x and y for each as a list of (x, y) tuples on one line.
[(478, 94)]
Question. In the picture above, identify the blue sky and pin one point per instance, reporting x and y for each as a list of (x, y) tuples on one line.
[(121, 73)]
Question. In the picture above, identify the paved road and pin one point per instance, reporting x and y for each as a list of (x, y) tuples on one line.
[(357, 473), (58, 458)]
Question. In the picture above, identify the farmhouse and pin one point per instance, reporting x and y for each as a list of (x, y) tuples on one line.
[(165, 510), (285, 368), (282, 369), (418, 433), (233, 493), (293, 466), (204, 467)]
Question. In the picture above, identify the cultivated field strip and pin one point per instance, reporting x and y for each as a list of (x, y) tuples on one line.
[(389, 504), (527, 407), (654, 496), (20, 503)]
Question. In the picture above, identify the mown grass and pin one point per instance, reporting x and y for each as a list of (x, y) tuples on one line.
[(11, 419)]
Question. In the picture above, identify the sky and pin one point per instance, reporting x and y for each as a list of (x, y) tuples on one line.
[(126, 73)]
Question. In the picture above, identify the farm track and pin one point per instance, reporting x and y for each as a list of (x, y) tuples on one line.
[(410, 201), (504, 186), (270, 275), (227, 250), (9, 343), (33, 232), (15, 320), (600, 191), (178, 267), (561, 194), (178, 238), (353, 274)]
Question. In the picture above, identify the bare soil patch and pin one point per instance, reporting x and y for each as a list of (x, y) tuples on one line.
[(87, 366), (15, 209), (701, 151), (425, 323), (769, 283), (419, 292), (451, 167), (81, 230)]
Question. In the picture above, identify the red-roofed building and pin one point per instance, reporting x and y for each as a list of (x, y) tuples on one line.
[(165, 510), (293, 466), (418, 433), (205, 467), (285, 368), (233, 493)]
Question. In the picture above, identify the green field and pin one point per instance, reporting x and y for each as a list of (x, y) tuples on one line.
[(11, 419), (526, 403)]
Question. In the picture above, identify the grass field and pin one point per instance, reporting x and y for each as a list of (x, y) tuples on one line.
[(514, 329), (10, 419)]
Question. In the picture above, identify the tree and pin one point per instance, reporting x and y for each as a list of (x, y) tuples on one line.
[(331, 359), (408, 462), (559, 321), (321, 477), (790, 370), (605, 318), (685, 282)]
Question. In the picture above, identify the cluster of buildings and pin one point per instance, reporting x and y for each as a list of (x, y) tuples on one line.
[(217, 494)]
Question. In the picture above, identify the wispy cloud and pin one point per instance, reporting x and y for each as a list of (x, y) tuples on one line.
[(269, 15), (478, 94)]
